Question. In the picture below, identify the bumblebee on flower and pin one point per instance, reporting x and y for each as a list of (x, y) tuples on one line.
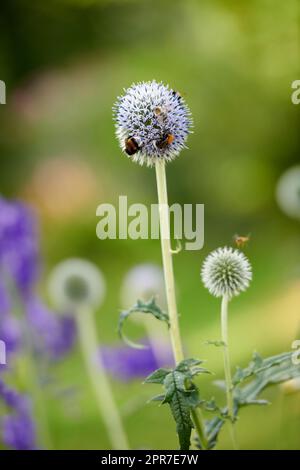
[(152, 122)]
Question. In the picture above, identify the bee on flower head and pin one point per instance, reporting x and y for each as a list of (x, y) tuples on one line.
[(241, 241), (176, 93), (152, 122), (131, 146), (165, 141), (179, 95), (160, 114)]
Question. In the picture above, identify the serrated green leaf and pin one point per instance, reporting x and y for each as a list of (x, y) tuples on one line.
[(157, 398), (211, 405), (149, 307), (181, 415), (181, 394), (258, 364), (200, 370), (239, 376), (177, 398), (173, 383), (193, 398), (158, 376), (188, 363), (188, 367), (248, 384), (273, 370), (261, 402), (212, 430)]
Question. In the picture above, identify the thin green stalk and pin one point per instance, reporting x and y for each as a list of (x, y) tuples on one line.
[(227, 371), (170, 283), (167, 260), (99, 380), (199, 426)]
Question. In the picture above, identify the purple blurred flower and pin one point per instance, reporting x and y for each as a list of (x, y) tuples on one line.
[(19, 249), (125, 363), (12, 398), (19, 265), (18, 428), (52, 334), (9, 328), (10, 333), (19, 270), (18, 431), (5, 304)]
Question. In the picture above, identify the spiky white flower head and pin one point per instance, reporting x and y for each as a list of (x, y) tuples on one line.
[(142, 282), (226, 272), (76, 283), (288, 192), (152, 122)]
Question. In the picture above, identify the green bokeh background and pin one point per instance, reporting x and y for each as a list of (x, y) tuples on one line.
[(64, 62)]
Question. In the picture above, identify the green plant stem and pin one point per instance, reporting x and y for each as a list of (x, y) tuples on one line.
[(90, 350), (167, 260), (227, 371), (199, 426), (170, 283)]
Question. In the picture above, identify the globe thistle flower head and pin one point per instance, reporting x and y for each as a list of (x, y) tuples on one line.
[(152, 122), (288, 192), (226, 272), (76, 283)]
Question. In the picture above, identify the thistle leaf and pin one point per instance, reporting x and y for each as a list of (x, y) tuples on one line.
[(248, 383), (200, 370), (158, 376), (180, 407), (187, 363), (157, 398), (270, 371), (258, 364), (181, 394), (213, 428), (211, 405), (149, 307)]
